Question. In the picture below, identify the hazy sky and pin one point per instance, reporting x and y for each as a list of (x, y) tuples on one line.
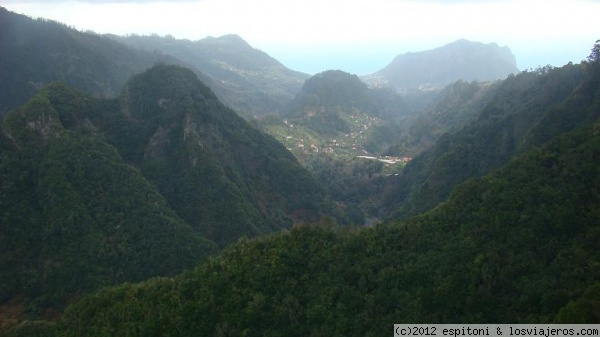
[(358, 36)]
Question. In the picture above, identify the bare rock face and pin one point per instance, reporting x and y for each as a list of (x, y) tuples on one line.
[(35, 122)]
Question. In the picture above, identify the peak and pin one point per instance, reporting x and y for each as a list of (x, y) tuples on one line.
[(464, 43), (459, 60), (333, 77), (163, 88), (229, 39), (232, 38), (163, 79), (335, 74), (334, 86)]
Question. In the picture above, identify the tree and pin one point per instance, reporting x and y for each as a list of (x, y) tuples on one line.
[(595, 55)]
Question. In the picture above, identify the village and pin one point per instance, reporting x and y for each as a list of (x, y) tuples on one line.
[(302, 142), (388, 159)]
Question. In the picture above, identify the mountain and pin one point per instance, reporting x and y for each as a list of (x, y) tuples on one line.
[(74, 215), (95, 192), (335, 104), (36, 52), (436, 68), (247, 79), (518, 245), (495, 219), (332, 121), (217, 171), (446, 110), (519, 113)]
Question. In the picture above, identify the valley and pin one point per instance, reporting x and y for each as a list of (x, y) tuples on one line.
[(301, 140), (154, 186)]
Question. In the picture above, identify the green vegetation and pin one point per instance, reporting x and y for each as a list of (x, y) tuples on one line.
[(448, 110), (345, 115), (75, 217), (245, 79), (516, 246), (335, 119), (521, 112), (96, 192), (37, 52), (113, 211), (217, 172)]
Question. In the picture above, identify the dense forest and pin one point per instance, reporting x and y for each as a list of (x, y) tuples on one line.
[(135, 202), (37, 52), (518, 246), (521, 112), (246, 79), (96, 192)]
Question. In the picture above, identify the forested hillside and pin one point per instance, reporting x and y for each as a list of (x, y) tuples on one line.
[(446, 110), (73, 215), (246, 79), (517, 246), (135, 202), (34, 53), (214, 168), (335, 119), (521, 112), (102, 191), (337, 105)]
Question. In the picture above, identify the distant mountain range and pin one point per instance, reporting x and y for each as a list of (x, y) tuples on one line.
[(517, 242), (36, 52), (498, 123), (108, 179), (436, 68), (245, 78)]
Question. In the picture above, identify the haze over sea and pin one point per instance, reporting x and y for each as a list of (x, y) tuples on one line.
[(356, 36)]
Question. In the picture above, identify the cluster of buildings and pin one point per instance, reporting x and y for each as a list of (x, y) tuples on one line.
[(388, 159)]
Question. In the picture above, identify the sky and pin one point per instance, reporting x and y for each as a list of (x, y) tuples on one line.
[(357, 36)]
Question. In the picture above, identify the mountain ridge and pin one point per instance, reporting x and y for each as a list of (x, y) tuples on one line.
[(494, 219), (146, 184), (521, 112), (35, 52), (475, 258), (460, 60), (246, 79)]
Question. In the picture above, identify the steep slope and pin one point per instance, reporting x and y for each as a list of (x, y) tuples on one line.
[(516, 246), (247, 79), (95, 192), (448, 109), (337, 105), (218, 172), (333, 120), (36, 52), (532, 105), (73, 215), (460, 60)]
